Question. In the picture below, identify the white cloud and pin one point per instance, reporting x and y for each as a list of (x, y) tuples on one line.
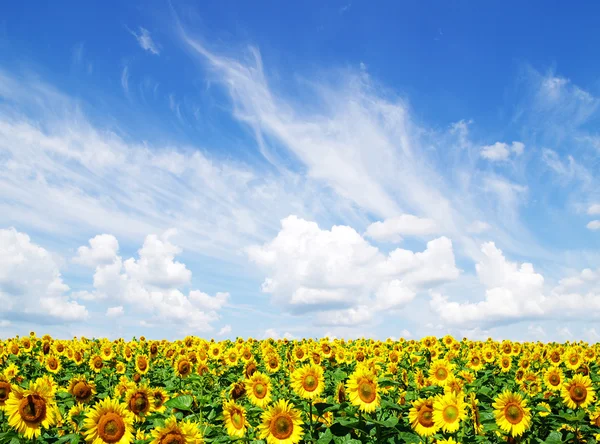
[(405, 334), (392, 229), (501, 151), (512, 292), (145, 40), (593, 225), (115, 312), (593, 209), (537, 331), (102, 251), (31, 284), (564, 332), (151, 285), (337, 272), (226, 329)]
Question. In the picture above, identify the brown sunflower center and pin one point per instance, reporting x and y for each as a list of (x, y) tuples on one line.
[(273, 363), (367, 391), (441, 373), (138, 403), (173, 437), (98, 363), (554, 379), (513, 413), (82, 391), (237, 419), (426, 416), (282, 426), (142, 364), (184, 367), (260, 390), (310, 383), (33, 409), (597, 421), (578, 393), (573, 359), (111, 427), (52, 364), (153, 349), (450, 413), (4, 390)]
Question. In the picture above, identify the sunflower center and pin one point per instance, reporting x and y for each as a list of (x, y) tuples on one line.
[(98, 363), (260, 390), (173, 437), (273, 363), (111, 427), (33, 409), (142, 364), (310, 383), (597, 421), (158, 399), (441, 373), (4, 391), (138, 403), (450, 413), (82, 391), (554, 379), (367, 391), (513, 413), (426, 416), (282, 426), (578, 393), (237, 419), (184, 367), (53, 364), (573, 359)]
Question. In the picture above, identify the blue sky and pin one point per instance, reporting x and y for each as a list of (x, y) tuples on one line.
[(323, 168)]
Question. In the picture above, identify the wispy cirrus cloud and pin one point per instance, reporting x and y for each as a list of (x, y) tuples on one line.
[(144, 38)]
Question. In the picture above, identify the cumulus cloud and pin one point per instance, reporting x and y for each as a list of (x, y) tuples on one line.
[(31, 285), (226, 329), (501, 151), (593, 225), (339, 273), (392, 229), (593, 209), (101, 251), (151, 284)]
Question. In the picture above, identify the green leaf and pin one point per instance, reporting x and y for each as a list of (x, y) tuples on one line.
[(326, 437), (554, 438), (390, 422), (182, 402)]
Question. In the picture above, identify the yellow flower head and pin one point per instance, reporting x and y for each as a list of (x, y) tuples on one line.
[(512, 414), (281, 424)]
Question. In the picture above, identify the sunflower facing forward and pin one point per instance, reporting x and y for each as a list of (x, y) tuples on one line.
[(578, 392), (281, 424), (308, 381), (234, 416), (511, 413), (258, 389), (108, 422), (31, 410), (362, 389), (82, 390), (448, 411), (420, 416), (174, 432), (140, 401)]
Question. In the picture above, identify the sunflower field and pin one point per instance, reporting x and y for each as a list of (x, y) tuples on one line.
[(435, 390)]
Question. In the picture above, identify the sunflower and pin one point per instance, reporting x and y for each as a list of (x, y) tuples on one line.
[(594, 415), (572, 360), (82, 390), (258, 389), (96, 363), (281, 424), (250, 368), (237, 390), (202, 369), (74, 413), (448, 411), (363, 390), (174, 432), (160, 397), (299, 353), (308, 381), (139, 401), (107, 352), (142, 365), (120, 368), (273, 362), (10, 372), (183, 367), (553, 378), (108, 422), (232, 357), (578, 392), (215, 351), (439, 371), (477, 426), (545, 409), (5, 389), (234, 416), (511, 413), (52, 364), (31, 410), (420, 416), (505, 363)]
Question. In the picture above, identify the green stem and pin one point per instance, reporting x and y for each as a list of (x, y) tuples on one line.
[(312, 429)]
